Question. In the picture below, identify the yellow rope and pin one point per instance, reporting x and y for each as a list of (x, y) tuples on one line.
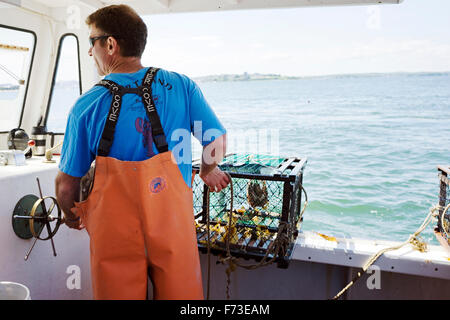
[(413, 240), (276, 248), (444, 224)]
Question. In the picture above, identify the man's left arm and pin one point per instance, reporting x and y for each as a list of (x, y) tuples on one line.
[(210, 173), (67, 190), (212, 135)]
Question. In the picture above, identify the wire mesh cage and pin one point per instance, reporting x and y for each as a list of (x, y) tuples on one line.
[(443, 225), (264, 202)]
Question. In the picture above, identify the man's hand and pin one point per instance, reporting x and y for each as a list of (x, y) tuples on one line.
[(216, 180), (67, 190), (73, 222), (212, 154)]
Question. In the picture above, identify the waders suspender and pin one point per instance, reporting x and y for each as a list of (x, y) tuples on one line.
[(145, 92)]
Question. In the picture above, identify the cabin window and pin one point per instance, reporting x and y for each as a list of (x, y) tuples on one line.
[(66, 87), (16, 58)]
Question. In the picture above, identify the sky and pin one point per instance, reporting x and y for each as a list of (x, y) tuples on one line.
[(413, 36)]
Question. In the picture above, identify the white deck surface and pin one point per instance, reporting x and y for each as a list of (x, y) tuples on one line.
[(320, 266), (310, 246)]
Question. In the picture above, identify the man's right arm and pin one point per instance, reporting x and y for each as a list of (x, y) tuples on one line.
[(76, 158), (67, 190)]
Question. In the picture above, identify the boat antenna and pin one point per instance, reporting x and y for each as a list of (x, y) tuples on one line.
[(5, 69), (11, 74)]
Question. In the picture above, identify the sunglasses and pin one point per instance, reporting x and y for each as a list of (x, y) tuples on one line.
[(93, 39)]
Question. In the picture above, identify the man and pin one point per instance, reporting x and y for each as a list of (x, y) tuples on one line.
[(139, 214)]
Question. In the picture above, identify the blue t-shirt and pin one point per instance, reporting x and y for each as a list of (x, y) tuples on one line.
[(180, 105)]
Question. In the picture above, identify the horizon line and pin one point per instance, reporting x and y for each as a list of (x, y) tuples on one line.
[(329, 74)]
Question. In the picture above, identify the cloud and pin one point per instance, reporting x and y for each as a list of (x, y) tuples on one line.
[(376, 55), (210, 54), (211, 40), (384, 47)]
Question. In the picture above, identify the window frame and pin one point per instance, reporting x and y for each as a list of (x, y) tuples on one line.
[(55, 71), (30, 68)]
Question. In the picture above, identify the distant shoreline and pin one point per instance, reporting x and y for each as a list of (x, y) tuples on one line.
[(9, 88), (264, 77), (261, 77), (243, 77), (60, 84)]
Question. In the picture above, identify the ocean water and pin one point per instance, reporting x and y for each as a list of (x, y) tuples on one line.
[(373, 143)]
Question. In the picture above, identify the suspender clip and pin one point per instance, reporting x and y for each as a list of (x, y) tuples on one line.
[(104, 146), (161, 143)]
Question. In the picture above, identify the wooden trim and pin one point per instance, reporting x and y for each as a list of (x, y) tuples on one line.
[(12, 47)]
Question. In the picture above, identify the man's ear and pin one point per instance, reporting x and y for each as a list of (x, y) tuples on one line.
[(112, 45)]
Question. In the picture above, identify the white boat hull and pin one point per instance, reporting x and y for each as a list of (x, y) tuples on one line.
[(319, 268)]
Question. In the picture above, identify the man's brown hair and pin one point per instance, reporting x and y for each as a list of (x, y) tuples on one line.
[(125, 25)]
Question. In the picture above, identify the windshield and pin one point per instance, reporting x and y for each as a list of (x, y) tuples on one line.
[(67, 86), (16, 52)]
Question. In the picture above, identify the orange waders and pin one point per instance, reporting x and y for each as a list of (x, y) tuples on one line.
[(139, 217)]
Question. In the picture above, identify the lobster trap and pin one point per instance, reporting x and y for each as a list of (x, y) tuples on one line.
[(442, 229), (260, 209)]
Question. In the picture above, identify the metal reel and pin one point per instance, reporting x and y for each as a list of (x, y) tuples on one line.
[(40, 216), (23, 207), (30, 216)]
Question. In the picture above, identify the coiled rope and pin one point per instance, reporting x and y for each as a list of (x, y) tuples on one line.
[(282, 240), (444, 224), (413, 240)]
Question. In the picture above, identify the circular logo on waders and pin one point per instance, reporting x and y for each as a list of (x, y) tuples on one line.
[(157, 185)]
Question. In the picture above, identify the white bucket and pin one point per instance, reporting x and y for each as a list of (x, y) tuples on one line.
[(13, 291)]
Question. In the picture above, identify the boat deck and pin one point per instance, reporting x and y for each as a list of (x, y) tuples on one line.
[(321, 265)]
